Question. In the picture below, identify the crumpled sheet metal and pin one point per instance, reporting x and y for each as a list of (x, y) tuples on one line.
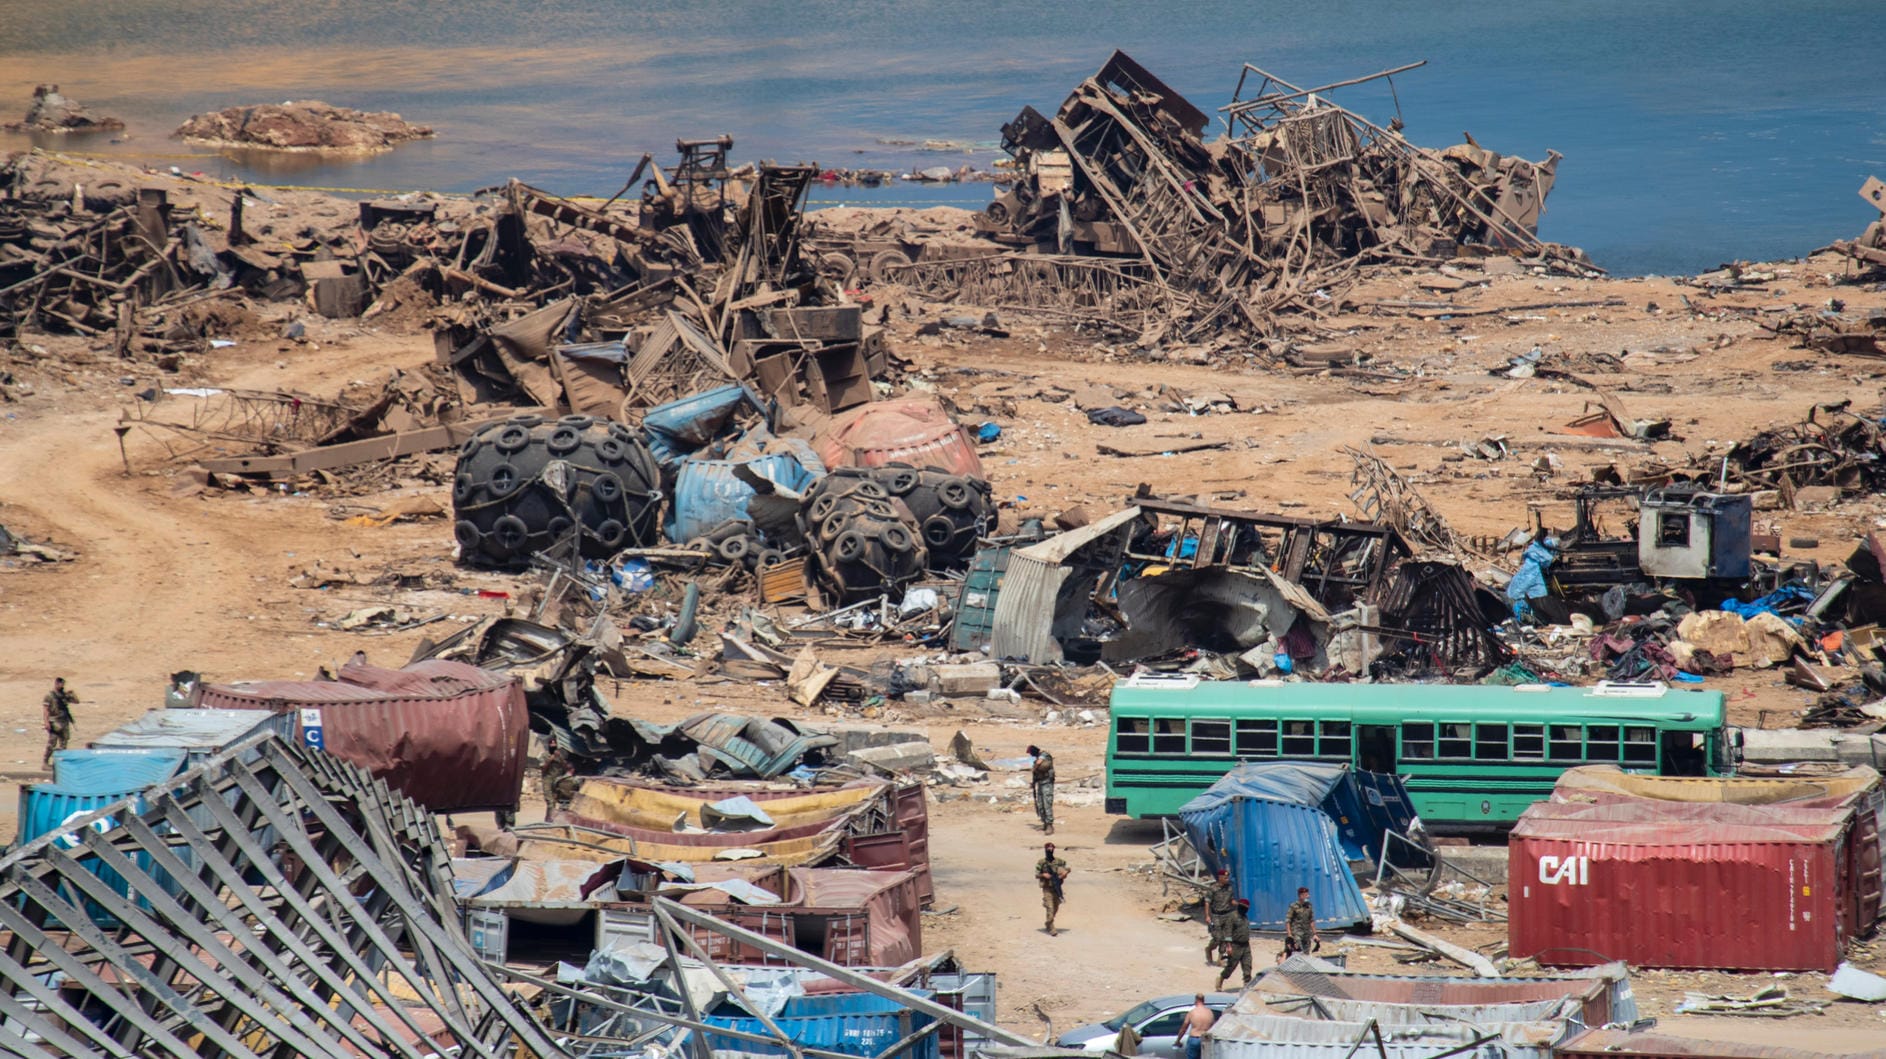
[(258, 956)]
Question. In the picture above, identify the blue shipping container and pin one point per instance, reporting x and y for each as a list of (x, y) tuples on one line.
[(114, 772), (861, 1024), (1281, 825), (47, 808)]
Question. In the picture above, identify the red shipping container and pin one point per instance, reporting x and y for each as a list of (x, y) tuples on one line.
[(1685, 885)]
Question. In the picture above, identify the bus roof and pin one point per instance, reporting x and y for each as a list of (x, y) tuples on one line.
[(1391, 703)]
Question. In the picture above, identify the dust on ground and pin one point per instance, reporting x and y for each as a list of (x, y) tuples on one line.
[(172, 577)]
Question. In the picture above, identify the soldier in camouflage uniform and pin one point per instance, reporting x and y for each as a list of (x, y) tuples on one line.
[(1051, 871), (559, 780), (1219, 901), (1041, 777), (58, 705), (1237, 943), (1300, 924)]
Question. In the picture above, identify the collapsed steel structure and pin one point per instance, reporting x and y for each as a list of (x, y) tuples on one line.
[(270, 901), (1295, 195)]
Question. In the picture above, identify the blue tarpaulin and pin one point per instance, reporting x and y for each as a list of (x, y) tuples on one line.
[(1281, 825), (1528, 581), (1772, 602)]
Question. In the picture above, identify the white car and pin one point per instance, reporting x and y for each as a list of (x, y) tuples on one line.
[(1156, 1021)]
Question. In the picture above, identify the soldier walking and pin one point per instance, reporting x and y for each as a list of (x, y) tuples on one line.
[(558, 779), (1300, 924), (1237, 943), (1051, 872), (1219, 901), (58, 705), (1043, 775)]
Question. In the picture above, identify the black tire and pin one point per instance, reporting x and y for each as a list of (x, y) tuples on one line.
[(577, 422), (526, 421), (611, 450), (837, 267), (832, 527), (849, 547), (611, 533), (901, 481), (503, 482), (699, 544), (564, 440), (955, 494), (822, 507), (771, 557), (882, 264), (464, 487), (938, 532), (734, 549), (509, 534), (512, 437), (605, 489), (897, 539), (468, 535), (870, 490), (558, 528)]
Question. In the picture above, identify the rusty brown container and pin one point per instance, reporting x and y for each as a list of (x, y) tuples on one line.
[(1688, 885), (913, 430), (451, 736)]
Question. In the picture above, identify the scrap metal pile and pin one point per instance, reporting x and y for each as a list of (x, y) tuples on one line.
[(1124, 212)]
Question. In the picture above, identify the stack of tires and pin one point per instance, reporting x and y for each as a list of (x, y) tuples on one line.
[(526, 484), (951, 511), (863, 542)]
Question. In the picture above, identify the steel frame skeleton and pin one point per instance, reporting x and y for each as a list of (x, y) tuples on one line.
[(338, 938)]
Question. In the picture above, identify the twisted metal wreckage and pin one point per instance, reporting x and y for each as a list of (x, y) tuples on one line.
[(277, 900), (1124, 212)]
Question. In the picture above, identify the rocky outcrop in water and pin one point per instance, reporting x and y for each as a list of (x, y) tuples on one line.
[(52, 112), (307, 125)]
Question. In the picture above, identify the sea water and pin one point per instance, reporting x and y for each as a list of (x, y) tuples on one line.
[(1693, 133)]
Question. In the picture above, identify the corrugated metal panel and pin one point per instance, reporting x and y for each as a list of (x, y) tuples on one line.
[(1230, 1048), (707, 493), (1598, 992), (113, 772), (1681, 885), (975, 604), (913, 818), (1274, 848), (1024, 612), (1603, 1044), (1336, 1009), (199, 731), (618, 927), (818, 1005), (449, 735), (1518, 1040)]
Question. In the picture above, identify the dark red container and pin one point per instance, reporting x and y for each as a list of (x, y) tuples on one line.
[(1688, 885)]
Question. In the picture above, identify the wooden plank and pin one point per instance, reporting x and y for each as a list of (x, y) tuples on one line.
[(349, 453)]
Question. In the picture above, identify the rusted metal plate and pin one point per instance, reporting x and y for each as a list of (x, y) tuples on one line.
[(783, 582)]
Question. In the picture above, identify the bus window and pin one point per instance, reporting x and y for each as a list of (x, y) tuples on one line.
[(1601, 742), (1529, 742), (1489, 742), (1640, 746), (1683, 754), (1335, 739), (1134, 736), (1257, 738), (1169, 735), (1456, 739), (1299, 739), (1568, 743), (1417, 741), (1211, 737)]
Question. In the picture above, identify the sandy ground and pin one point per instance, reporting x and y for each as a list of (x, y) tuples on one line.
[(168, 581)]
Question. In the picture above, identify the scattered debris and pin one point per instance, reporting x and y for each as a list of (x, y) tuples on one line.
[(304, 125)]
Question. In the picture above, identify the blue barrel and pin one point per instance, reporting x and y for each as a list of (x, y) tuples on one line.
[(707, 494)]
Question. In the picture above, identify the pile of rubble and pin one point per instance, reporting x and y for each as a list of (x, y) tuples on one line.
[(302, 125)]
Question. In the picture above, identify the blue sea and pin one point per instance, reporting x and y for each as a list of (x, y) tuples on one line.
[(1693, 133)]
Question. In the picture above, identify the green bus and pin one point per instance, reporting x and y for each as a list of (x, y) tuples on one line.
[(1473, 756)]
